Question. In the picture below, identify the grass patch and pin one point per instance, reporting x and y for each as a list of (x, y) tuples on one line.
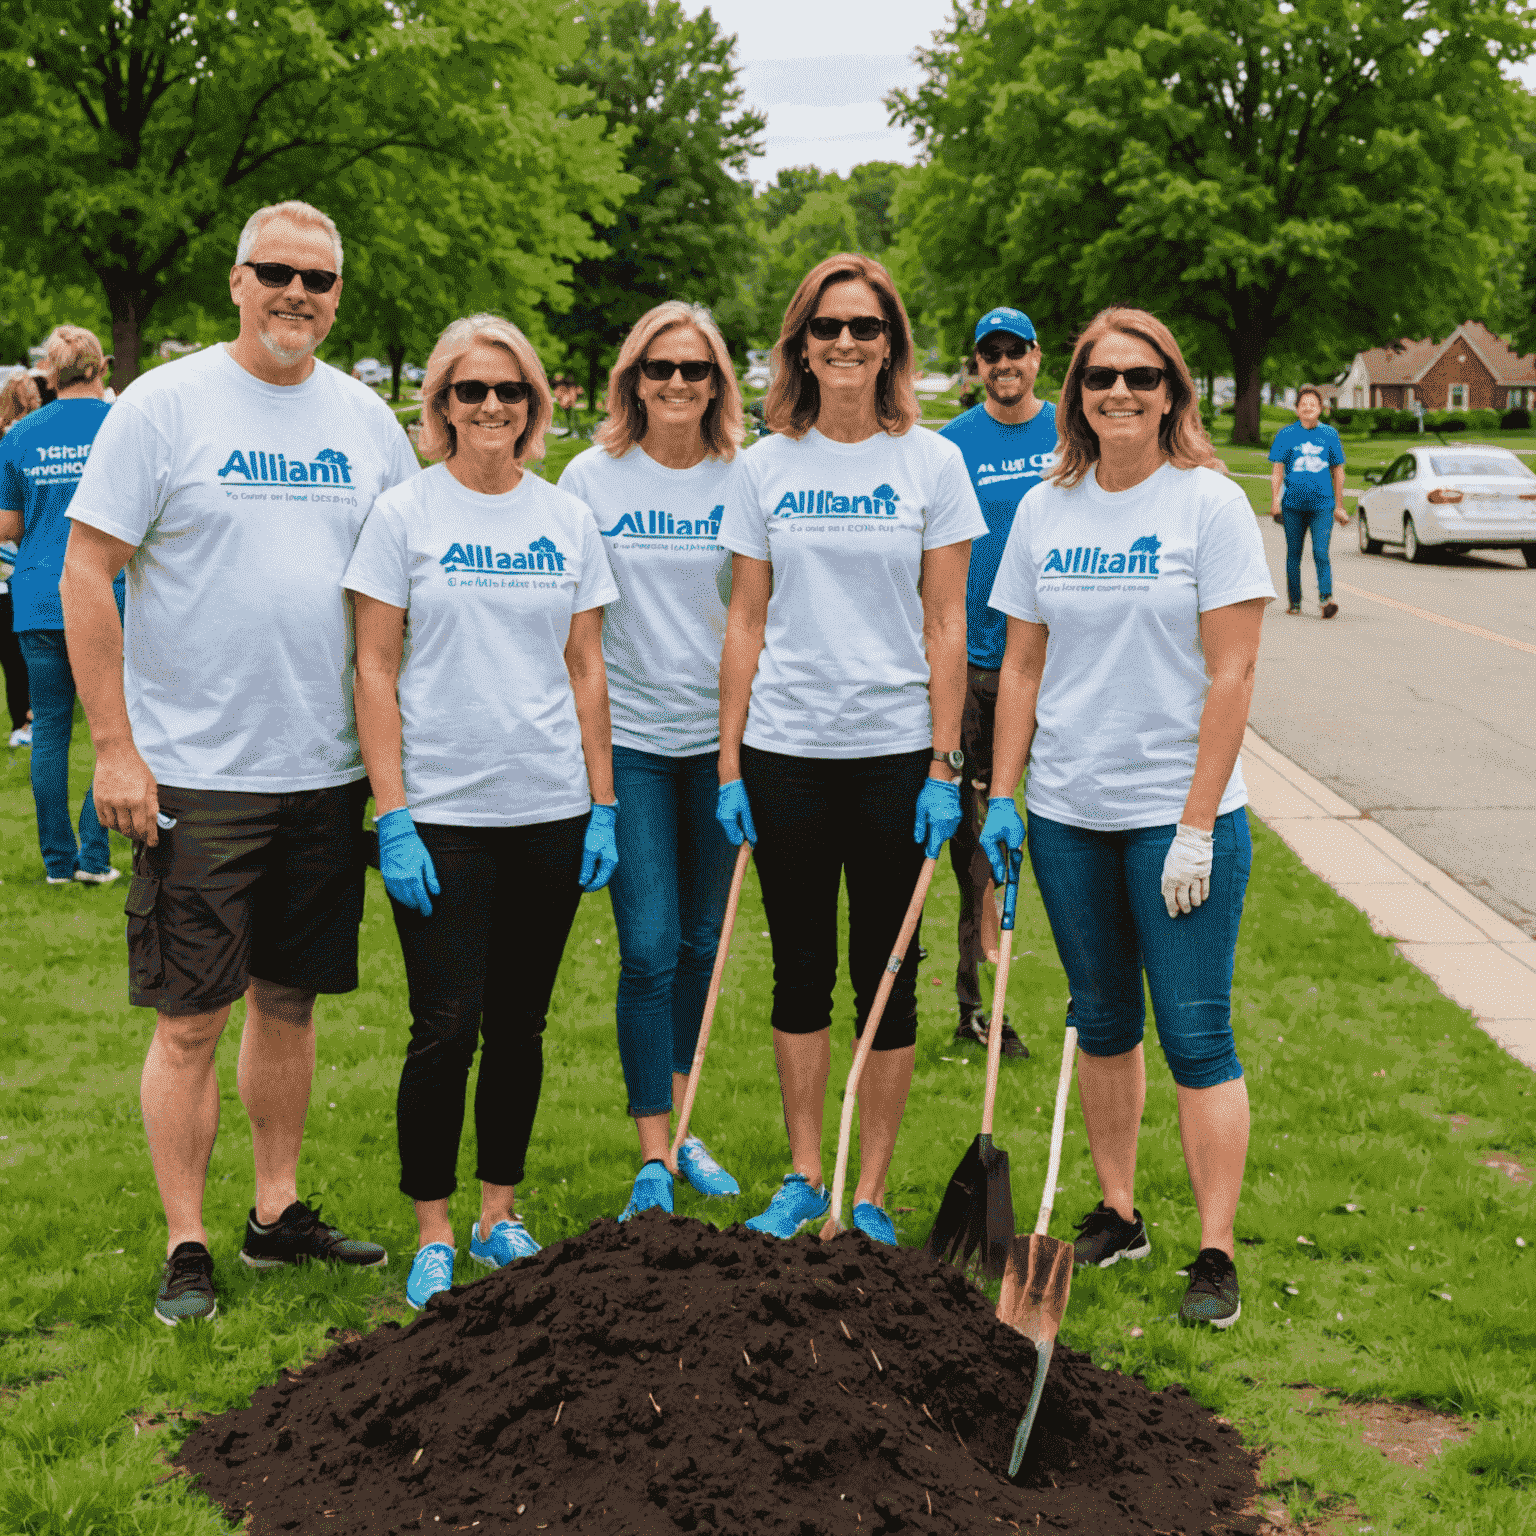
[(1356, 1065)]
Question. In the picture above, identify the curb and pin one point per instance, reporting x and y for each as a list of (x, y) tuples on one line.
[(1477, 958)]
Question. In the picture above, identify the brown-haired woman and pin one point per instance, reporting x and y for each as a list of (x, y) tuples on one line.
[(1134, 581), (841, 688), (655, 480)]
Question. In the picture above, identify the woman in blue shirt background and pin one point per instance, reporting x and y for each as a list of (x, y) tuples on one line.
[(1306, 486)]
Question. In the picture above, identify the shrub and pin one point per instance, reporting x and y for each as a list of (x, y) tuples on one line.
[(1516, 420), (1341, 417), (1482, 421)]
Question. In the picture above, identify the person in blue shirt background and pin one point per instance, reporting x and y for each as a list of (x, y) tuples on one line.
[(1307, 493), (1009, 443), (41, 460)]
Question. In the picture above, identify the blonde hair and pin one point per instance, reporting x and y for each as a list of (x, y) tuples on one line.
[(13, 404), (438, 438), (794, 397), (1181, 435), (722, 426), (296, 213), (74, 356)]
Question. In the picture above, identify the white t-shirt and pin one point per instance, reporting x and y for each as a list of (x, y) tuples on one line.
[(243, 501), (1121, 580), (662, 638), (489, 585), (843, 670)]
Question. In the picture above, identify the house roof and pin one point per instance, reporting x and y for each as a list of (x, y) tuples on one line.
[(1408, 361)]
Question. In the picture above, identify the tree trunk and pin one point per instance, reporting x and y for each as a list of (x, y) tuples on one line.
[(1247, 377), (126, 327), (396, 356)]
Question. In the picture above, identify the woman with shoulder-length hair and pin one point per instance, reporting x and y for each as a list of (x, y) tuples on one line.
[(482, 713), (1134, 581), (841, 689), (655, 480)]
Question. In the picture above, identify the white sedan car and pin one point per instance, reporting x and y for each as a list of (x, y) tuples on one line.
[(1472, 496)]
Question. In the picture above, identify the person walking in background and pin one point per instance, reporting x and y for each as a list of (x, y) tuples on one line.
[(18, 398), (1009, 441), (841, 689), (12, 663), (1306, 481), (1135, 583), (232, 484), (488, 830), (655, 480), (42, 459)]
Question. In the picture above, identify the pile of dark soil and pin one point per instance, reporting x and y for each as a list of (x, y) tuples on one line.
[(664, 1376)]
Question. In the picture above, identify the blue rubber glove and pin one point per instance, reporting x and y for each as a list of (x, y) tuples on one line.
[(734, 814), (938, 815), (1002, 830), (600, 848), (405, 863)]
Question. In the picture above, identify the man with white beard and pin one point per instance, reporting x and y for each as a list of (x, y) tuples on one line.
[(232, 484)]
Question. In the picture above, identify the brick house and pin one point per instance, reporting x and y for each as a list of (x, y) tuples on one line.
[(1471, 370)]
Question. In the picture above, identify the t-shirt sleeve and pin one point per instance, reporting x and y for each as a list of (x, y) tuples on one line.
[(1013, 592), (597, 585), (954, 514), (1335, 447), (401, 464), (378, 565), (744, 523), (13, 484), (122, 489), (1230, 564), (1279, 450)]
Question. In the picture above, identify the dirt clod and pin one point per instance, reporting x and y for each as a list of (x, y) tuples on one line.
[(780, 1418)]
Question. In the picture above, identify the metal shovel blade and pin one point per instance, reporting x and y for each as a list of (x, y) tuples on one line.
[(1036, 1285), (977, 1210)]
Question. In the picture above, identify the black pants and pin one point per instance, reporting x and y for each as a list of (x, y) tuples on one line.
[(818, 819), (482, 966), (972, 871), (17, 699)]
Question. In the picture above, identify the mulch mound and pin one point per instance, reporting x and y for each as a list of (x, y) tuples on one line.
[(663, 1376)]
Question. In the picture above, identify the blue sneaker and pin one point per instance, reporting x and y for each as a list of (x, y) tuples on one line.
[(653, 1188), (703, 1172), (873, 1222), (431, 1272), (793, 1206), (508, 1240)]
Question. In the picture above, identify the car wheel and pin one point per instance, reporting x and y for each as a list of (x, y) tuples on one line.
[(1416, 553), (1529, 551), (1368, 545)]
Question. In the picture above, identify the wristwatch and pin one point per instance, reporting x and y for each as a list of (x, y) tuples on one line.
[(955, 759)]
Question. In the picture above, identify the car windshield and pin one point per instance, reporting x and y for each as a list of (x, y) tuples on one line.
[(1478, 465)]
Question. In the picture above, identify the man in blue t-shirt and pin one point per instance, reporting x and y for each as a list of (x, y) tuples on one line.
[(41, 460), (1307, 494), (1009, 443)]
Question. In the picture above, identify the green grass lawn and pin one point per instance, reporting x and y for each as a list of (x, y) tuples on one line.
[(1410, 1284)]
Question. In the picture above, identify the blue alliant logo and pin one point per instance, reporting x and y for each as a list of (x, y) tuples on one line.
[(654, 524), (542, 556), (1090, 560), (257, 467), (881, 502)]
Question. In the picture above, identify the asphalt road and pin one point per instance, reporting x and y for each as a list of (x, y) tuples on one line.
[(1428, 727)]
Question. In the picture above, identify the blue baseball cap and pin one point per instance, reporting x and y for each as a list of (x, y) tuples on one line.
[(1014, 321)]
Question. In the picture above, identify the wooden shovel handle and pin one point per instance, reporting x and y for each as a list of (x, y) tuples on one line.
[(722, 949), (1000, 990), (1058, 1130), (867, 1039)]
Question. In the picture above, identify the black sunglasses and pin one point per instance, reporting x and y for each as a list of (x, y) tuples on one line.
[(995, 351), (860, 327), (473, 391), (659, 369), (1142, 380), (278, 274)]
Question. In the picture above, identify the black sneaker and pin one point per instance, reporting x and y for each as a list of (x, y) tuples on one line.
[(972, 1030), (1212, 1294), (1104, 1237), (186, 1287), (298, 1235)]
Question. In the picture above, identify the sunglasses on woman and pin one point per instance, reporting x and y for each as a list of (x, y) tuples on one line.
[(1142, 380), (278, 274), (995, 351), (659, 369), (860, 327), (473, 391)]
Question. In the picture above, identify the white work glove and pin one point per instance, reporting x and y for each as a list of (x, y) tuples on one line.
[(1187, 870)]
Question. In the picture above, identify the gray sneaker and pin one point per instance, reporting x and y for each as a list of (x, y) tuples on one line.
[(1212, 1295), (186, 1287)]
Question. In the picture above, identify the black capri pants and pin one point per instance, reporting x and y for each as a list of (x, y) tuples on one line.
[(818, 819), (482, 967)]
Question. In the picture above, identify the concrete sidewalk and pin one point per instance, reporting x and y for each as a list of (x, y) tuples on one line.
[(1473, 955)]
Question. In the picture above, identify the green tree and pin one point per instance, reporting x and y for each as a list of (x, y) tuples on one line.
[(139, 134), (1298, 179)]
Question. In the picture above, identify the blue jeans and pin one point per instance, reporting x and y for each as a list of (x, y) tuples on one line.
[(668, 895), (1102, 894), (52, 686), (1299, 521)]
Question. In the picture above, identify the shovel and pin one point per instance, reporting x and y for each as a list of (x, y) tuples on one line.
[(722, 949), (1038, 1278), (977, 1209), (834, 1223)]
